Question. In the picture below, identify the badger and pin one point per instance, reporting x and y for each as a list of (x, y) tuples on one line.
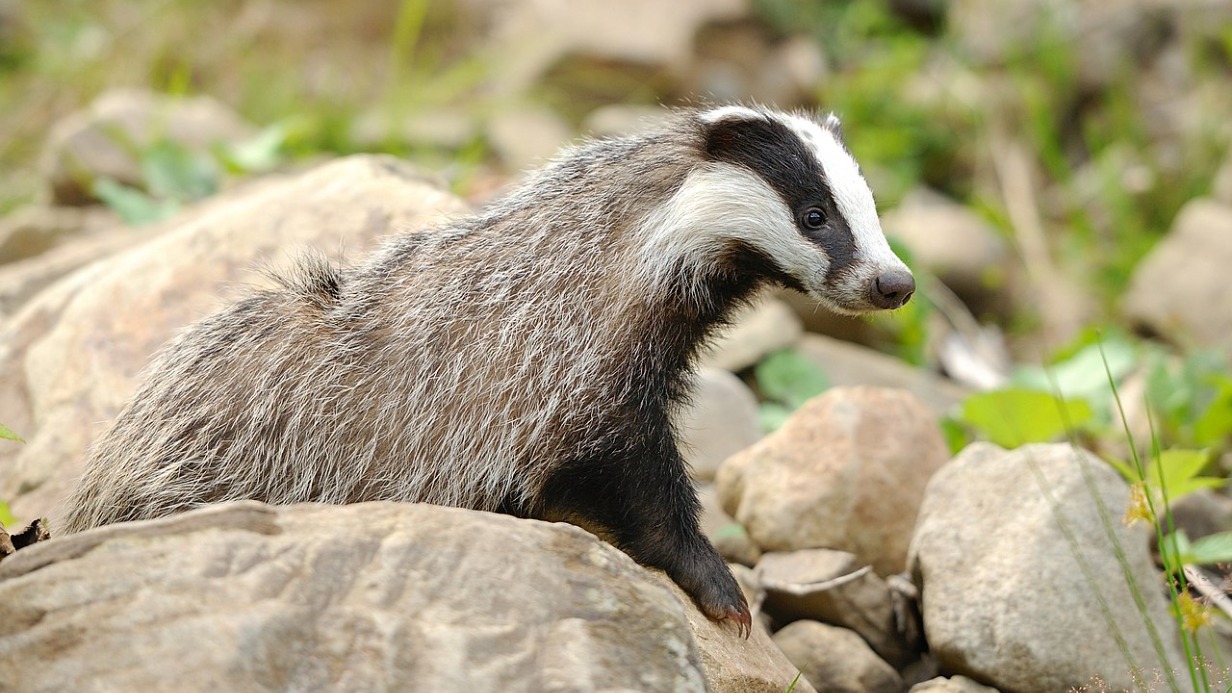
[(527, 360)]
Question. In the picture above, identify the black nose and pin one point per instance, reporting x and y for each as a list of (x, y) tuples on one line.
[(893, 289)]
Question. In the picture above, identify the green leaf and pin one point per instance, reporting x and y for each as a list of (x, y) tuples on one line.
[(259, 153), (1178, 468), (174, 172), (6, 516), (1214, 426), (1213, 548), (1017, 416), (7, 434), (789, 378), (771, 416), (134, 206)]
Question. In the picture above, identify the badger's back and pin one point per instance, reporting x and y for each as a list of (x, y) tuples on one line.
[(457, 366)]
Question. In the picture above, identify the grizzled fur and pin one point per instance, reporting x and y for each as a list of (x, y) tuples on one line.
[(525, 360)]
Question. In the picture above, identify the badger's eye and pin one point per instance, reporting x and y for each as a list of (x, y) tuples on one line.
[(813, 219)]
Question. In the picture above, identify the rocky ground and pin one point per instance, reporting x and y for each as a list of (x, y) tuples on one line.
[(874, 558)]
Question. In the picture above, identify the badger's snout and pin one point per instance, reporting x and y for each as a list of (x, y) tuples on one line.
[(892, 289)]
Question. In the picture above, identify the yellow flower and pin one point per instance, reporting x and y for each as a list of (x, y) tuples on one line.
[(1138, 508), (1194, 614)]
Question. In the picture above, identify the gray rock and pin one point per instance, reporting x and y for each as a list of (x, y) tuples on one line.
[(74, 352), (20, 281), (834, 588), (847, 471), (730, 539), (103, 139), (374, 596), (35, 229), (720, 421), (527, 137), (531, 38), (1179, 290), (836, 660), (954, 684), (765, 327), (952, 242), (617, 120), (1020, 585), (850, 365)]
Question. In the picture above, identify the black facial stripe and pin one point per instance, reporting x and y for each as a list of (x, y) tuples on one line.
[(773, 151)]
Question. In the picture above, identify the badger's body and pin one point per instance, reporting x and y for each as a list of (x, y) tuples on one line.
[(526, 360)]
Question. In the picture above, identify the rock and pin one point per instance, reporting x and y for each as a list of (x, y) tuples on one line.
[(836, 660), (373, 596), (849, 365), (730, 663), (740, 60), (1012, 596), (1179, 290), (531, 38), (847, 472), (765, 327), (618, 120), (20, 281), (35, 229), (832, 587), (730, 539), (950, 241), (1202, 513), (74, 353), (101, 140), (720, 421), (528, 137), (955, 684)]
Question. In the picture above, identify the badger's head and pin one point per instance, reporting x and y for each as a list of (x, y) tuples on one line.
[(784, 189)]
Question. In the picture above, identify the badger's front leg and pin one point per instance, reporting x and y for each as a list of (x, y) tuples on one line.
[(643, 497)]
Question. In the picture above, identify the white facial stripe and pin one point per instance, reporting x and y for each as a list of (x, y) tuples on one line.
[(850, 191), (722, 202), (733, 112)]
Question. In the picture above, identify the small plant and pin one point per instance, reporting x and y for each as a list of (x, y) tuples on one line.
[(174, 175), (787, 380)]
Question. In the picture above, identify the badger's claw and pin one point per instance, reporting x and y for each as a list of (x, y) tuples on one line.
[(742, 619)]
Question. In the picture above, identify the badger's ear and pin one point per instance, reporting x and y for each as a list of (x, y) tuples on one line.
[(831, 123), (731, 130)]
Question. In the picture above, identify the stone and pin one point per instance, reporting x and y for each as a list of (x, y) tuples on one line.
[(720, 421), (22, 280), (102, 140), (954, 243), (35, 229), (526, 138), (530, 38), (755, 332), (73, 354), (1020, 585), (836, 660), (730, 539), (1179, 290), (372, 596), (832, 587), (619, 120), (849, 365), (847, 472), (954, 684)]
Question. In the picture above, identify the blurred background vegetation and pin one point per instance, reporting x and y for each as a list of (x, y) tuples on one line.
[(1075, 130)]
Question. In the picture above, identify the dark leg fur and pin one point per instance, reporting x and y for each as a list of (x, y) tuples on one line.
[(644, 498)]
